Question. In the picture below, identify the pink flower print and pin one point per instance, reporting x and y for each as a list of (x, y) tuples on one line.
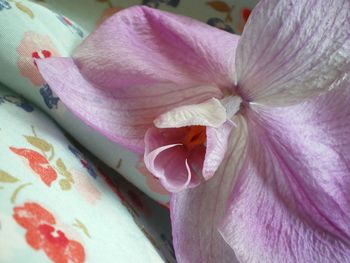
[(31, 47), (85, 187)]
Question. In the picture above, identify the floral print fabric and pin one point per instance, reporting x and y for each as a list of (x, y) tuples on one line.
[(58, 206), (42, 234)]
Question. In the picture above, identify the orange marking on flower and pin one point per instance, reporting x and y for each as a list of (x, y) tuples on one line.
[(195, 136)]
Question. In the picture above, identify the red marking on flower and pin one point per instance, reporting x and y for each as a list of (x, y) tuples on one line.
[(38, 164), (246, 13), (42, 234)]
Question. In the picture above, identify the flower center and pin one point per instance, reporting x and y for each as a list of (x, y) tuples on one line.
[(195, 136)]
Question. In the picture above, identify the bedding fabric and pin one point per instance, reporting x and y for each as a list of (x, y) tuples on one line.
[(58, 206)]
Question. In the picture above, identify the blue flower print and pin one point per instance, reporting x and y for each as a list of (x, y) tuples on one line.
[(4, 5), (18, 101), (219, 23), (50, 100), (155, 3)]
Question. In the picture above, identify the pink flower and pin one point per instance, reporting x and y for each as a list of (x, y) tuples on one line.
[(268, 113), (34, 46), (189, 142)]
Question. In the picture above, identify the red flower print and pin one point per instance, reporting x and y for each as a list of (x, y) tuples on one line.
[(43, 234), (38, 164), (246, 13), (31, 47)]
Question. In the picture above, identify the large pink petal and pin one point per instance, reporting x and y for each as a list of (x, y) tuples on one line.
[(196, 213), (291, 201), (141, 45), (291, 50), (140, 63)]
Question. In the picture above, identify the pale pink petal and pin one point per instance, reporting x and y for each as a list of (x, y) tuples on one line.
[(196, 213), (209, 113), (291, 201), (139, 64), (217, 142), (123, 114), (291, 50), (168, 162)]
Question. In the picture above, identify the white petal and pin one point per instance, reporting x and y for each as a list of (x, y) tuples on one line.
[(209, 113)]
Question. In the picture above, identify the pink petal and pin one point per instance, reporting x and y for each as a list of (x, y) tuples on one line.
[(168, 162), (291, 200), (291, 50), (217, 142), (124, 114), (139, 64), (196, 212)]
